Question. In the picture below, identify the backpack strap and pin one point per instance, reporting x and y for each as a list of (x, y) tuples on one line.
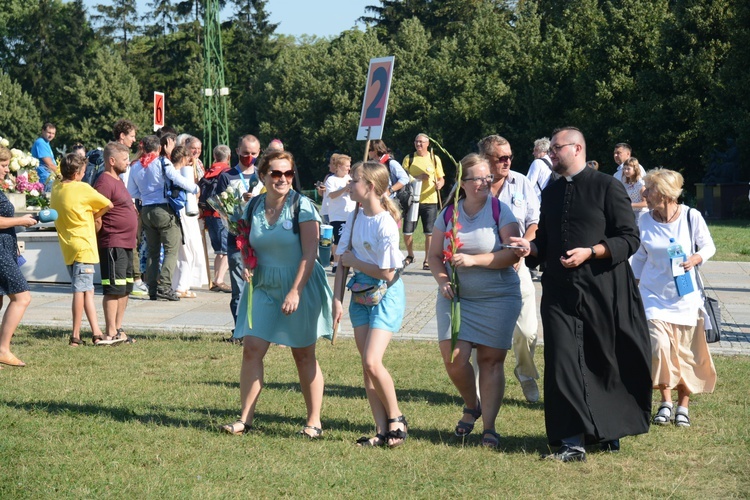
[(448, 212)]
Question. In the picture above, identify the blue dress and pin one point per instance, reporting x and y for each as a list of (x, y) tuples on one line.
[(279, 252), (11, 278)]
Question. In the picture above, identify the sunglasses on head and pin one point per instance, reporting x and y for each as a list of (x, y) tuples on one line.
[(277, 174)]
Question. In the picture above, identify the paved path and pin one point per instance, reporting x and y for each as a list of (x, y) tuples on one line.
[(729, 282)]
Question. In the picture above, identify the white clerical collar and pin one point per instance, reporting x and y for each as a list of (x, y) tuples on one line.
[(569, 178)]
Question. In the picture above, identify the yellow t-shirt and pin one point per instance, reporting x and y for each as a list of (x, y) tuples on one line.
[(76, 203), (423, 165)]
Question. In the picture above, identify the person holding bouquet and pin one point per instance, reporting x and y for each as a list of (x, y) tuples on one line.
[(288, 301), (369, 244), (489, 294)]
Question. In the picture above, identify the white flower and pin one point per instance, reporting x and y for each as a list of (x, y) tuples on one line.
[(23, 161), (230, 190), (34, 162), (16, 153), (223, 195), (34, 192), (13, 165), (4, 142)]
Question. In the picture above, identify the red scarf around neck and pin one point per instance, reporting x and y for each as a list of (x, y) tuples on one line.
[(148, 158)]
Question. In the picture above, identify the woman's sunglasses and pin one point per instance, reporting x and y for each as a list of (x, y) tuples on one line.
[(277, 174)]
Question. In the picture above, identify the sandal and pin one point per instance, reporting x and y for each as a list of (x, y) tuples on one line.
[(425, 266), (463, 429), (316, 430), (124, 336), (100, 340), (365, 442), (230, 428), (681, 420), (188, 294), (408, 260), (490, 439), (75, 342), (664, 415), (397, 434)]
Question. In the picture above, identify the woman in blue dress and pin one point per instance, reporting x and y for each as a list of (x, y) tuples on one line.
[(12, 282), (290, 298)]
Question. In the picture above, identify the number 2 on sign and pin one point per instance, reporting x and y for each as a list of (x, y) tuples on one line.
[(375, 108)]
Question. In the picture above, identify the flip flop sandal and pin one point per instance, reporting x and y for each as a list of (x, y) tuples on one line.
[(365, 442), (316, 430), (121, 333), (230, 428)]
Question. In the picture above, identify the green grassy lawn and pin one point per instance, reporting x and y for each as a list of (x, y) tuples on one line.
[(140, 421), (732, 240)]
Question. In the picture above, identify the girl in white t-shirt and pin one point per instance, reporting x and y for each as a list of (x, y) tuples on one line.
[(376, 259), (634, 185), (340, 204)]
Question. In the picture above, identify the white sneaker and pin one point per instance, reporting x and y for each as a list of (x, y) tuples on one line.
[(140, 289)]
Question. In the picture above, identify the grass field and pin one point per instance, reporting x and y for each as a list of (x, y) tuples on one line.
[(140, 421)]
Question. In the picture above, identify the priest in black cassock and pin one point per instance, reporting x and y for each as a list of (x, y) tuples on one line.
[(597, 353)]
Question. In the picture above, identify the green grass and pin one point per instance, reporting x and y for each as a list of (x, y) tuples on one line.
[(140, 422), (732, 240)]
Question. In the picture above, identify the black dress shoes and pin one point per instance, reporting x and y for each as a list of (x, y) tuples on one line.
[(611, 446), (566, 454)]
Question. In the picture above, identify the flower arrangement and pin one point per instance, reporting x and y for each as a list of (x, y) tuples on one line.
[(454, 244), (229, 206), (23, 178)]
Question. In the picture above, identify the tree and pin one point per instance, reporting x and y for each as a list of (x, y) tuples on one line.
[(160, 20), (19, 118), (104, 93), (43, 47), (118, 22)]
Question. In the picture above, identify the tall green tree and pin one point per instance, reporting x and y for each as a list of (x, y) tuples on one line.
[(105, 92), (118, 21), (43, 46), (19, 119)]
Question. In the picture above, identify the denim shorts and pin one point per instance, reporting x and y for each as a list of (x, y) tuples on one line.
[(218, 234), (387, 315), (81, 276)]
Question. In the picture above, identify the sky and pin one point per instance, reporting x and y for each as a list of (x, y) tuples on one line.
[(322, 18)]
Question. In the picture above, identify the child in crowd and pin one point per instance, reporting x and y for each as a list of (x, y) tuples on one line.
[(376, 259), (631, 178), (340, 204), (80, 207)]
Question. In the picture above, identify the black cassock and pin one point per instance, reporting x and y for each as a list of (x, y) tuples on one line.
[(597, 351)]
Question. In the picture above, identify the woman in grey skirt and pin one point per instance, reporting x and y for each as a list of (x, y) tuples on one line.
[(490, 295)]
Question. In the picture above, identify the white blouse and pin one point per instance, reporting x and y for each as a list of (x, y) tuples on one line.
[(651, 265)]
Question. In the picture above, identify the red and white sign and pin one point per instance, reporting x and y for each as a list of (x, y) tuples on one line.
[(375, 102), (158, 110)]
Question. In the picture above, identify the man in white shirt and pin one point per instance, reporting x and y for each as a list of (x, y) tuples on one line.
[(541, 168), (623, 152)]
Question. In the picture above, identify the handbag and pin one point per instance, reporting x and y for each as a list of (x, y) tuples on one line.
[(711, 306)]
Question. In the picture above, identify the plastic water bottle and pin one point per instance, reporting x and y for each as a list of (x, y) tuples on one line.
[(681, 279), (675, 250)]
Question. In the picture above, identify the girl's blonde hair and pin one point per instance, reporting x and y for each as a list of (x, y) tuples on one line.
[(633, 162), (377, 174)]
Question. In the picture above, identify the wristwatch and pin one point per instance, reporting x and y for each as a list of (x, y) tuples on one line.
[(593, 252)]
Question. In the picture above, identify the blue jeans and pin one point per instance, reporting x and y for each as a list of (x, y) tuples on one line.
[(234, 256)]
